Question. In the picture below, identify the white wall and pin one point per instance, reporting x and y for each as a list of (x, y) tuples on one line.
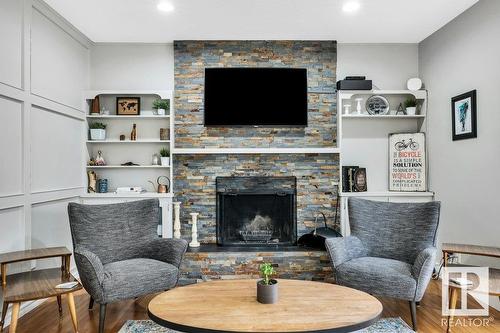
[(388, 65), (132, 66), (462, 56), (44, 68)]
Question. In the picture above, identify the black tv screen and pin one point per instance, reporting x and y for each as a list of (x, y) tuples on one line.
[(273, 97)]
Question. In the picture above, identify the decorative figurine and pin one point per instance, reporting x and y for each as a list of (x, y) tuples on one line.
[(358, 105), (155, 160), (92, 176), (99, 160), (133, 134), (194, 230), (177, 219), (400, 109), (122, 137)]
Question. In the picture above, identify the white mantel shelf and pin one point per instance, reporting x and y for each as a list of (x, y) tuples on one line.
[(127, 195), (114, 116), (193, 151), (127, 167), (91, 94), (387, 194), (128, 141)]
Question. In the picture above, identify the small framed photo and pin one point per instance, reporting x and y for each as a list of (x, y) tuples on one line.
[(128, 106), (463, 115)]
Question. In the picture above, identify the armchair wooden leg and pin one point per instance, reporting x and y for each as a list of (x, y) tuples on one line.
[(102, 317), (4, 312), (413, 309), (14, 317), (91, 303), (59, 304)]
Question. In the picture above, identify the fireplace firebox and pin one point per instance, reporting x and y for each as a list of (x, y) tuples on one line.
[(256, 211)]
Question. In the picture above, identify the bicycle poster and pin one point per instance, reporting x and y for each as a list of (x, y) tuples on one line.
[(407, 162)]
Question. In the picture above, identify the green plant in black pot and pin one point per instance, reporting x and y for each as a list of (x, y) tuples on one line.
[(267, 288), (162, 105)]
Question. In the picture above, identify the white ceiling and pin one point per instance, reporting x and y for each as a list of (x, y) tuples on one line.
[(378, 21)]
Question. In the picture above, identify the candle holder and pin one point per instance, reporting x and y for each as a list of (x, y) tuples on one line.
[(194, 230), (177, 220)]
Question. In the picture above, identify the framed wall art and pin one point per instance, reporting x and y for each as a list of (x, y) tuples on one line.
[(128, 106), (407, 162), (463, 115)]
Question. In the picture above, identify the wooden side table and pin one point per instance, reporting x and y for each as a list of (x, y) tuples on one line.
[(455, 289), (37, 284)]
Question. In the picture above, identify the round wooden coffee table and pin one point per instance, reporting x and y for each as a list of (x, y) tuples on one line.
[(231, 306)]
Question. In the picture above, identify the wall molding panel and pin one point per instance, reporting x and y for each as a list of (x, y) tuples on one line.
[(19, 204)]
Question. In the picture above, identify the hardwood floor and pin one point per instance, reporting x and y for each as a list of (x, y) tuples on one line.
[(46, 318)]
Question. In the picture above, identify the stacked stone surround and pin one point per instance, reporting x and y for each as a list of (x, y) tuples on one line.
[(194, 175), (192, 57), (301, 265), (317, 177)]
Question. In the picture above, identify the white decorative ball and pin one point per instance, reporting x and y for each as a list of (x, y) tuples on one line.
[(414, 84)]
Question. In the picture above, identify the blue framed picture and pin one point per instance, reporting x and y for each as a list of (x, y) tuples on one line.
[(463, 114)]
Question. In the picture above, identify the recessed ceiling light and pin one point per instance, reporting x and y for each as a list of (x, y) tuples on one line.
[(165, 6), (351, 6)]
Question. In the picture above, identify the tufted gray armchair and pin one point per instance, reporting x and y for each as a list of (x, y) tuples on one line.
[(119, 254), (391, 250)]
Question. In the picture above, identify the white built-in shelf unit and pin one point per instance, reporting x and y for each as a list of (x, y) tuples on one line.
[(140, 151), (363, 140)]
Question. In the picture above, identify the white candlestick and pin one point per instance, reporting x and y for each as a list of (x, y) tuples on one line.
[(194, 230), (177, 219)]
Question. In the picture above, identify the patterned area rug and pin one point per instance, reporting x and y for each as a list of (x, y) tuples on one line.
[(385, 325)]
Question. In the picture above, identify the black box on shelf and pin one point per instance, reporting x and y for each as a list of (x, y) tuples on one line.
[(354, 85)]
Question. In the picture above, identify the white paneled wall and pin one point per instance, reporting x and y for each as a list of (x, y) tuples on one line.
[(44, 68), (11, 35)]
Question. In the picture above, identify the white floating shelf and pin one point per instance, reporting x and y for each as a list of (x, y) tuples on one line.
[(387, 116), (186, 151), (127, 195), (387, 194), (419, 94), (128, 141), (91, 94), (127, 167), (114, 116)]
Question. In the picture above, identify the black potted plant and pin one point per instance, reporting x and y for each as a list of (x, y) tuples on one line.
[(267, 288)]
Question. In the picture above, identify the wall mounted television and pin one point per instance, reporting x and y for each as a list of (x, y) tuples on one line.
[(267, 97)]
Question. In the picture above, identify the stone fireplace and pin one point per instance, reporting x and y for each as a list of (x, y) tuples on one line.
[(256, 211)]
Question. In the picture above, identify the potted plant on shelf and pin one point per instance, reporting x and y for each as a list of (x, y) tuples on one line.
[(411, 106), (165, 157), (267, 288), (161, 105), (97, 131)]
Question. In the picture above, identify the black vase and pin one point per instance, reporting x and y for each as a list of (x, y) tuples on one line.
[(267, 293)]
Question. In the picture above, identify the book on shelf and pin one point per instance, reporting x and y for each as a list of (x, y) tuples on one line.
[(354, 179)]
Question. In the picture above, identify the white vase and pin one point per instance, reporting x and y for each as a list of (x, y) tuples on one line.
[(97, 134), (165, 161), (411, 111), (161, 112)]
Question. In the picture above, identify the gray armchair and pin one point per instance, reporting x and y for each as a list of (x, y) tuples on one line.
[(119, 254), (391, 250)]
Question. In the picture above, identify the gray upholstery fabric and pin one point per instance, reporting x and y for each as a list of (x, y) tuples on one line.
[(117, 250), (123, 278), (391, 250), (378, 276)]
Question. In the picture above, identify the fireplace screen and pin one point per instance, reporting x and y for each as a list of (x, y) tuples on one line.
[(256, 211)]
